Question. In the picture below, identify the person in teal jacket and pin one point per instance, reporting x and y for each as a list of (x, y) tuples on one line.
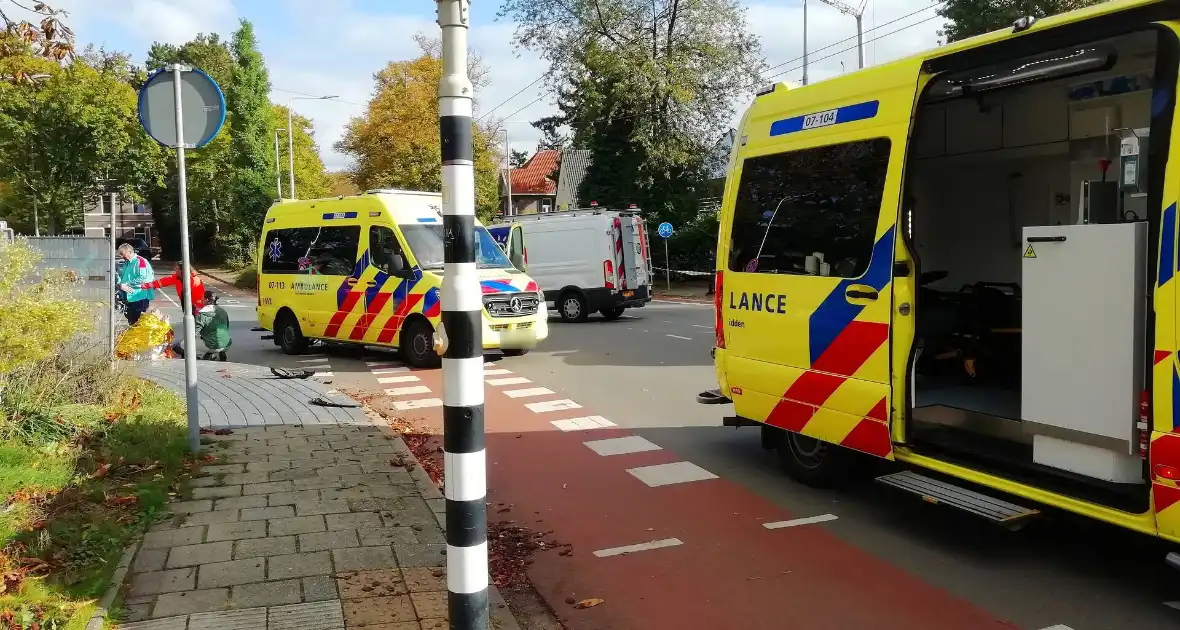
[(136, 273)]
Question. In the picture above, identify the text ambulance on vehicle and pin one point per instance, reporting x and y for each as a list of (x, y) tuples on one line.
[(965, 262), (367, 269)]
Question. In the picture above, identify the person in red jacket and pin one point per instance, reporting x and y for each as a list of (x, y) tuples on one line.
[(174, 280)]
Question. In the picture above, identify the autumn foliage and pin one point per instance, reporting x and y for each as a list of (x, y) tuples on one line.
[(395, 143)]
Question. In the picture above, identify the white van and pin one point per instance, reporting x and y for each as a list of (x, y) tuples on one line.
[(587, 260)]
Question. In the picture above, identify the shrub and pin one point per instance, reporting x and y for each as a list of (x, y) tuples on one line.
[(247, 279)]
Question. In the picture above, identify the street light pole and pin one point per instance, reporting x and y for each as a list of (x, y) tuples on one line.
[(507, 171), (804, 42), (278, 166), (460, 338), (857, 12), (291, 138)]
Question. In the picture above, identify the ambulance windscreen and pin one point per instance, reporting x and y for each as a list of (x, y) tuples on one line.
[(426, 242)]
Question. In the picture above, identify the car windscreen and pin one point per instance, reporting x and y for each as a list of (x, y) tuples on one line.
[(426, 242)]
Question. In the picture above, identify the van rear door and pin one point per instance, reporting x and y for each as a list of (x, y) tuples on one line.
[(634, 255), (811, 223)]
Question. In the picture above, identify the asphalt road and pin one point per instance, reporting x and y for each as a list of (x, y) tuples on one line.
[(643, 372)]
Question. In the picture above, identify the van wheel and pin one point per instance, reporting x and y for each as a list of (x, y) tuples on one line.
[(416, 345), (612, 313), (572, 306), (815, 462), (289, 335)]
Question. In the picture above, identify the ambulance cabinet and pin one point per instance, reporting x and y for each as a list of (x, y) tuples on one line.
[(1082, 346)]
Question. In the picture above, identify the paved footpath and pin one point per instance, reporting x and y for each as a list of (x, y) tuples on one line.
[(311, 520)]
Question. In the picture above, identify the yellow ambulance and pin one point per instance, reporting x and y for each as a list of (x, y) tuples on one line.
[(366, 269), (964, 262)]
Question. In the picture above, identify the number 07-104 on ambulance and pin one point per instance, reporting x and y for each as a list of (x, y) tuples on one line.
[(367, 269), (965, 262)]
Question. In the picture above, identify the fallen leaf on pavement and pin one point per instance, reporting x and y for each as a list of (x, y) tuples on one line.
[(101, 472), (589, 603)]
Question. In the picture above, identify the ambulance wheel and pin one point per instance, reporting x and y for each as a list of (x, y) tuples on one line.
[(515, 352), (417, 344), (815, 462), (289, 336), (573, 307), (612, 313)]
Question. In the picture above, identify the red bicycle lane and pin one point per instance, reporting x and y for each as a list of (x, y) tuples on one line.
[(721, 568)]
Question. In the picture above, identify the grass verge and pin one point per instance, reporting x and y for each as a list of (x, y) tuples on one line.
[(82, 473)]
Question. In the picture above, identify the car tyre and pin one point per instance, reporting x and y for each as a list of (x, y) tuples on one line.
[(416, 346), (612, 313), (290, 336), (817, 463), (573, 307)]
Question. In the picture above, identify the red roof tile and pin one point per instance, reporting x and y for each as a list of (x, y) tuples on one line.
[(534, 177)]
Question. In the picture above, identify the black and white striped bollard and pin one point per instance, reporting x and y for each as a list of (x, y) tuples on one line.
[(460, 337)]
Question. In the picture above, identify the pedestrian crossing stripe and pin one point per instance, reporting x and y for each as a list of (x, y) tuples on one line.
[(1029, 253)]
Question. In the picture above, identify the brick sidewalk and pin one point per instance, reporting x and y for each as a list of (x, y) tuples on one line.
[(320, 525)]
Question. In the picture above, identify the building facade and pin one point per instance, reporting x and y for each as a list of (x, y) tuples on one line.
[(131, 219)]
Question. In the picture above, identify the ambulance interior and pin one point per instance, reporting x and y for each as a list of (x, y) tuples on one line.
[(1027, 203)]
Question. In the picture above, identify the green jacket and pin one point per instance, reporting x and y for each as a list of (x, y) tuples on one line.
[(213, 326)]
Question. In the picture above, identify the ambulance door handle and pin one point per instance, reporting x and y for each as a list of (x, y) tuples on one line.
[(1046, 239), (858, 294)]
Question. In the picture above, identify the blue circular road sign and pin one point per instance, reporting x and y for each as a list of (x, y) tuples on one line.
[(202, 107), (665, 230)]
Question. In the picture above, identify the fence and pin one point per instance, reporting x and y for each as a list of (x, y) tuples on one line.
[(90, 257)]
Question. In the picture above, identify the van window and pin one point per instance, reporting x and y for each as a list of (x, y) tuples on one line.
[(329, 251), (810, 212), (426, 242)]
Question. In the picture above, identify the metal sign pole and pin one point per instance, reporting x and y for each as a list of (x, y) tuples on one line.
[(460, 337), (190, 324), (114, 279), (667, 266)]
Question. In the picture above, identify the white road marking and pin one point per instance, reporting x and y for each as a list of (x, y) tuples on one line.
[(621, 446), (552, 405), (421, 403), (392, 370), (319, 360), (583, 424), (322, 374), (690, 304), (380, 363), (386, 380), (668, 474), (700, 326), (647, 546), (679, 337), (527, 393), (1058, 627), (408, 391), (174, 302), (496, 372), (822, 518), (513, 380)]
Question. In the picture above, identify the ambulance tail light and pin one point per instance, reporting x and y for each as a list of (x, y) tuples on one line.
[(718, 324), (1164, 471), (608, 274), (1143, 428)]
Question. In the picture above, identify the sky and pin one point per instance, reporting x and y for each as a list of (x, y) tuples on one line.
[(333, 47)]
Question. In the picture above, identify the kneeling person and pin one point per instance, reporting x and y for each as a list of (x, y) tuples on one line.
[(212, 323)]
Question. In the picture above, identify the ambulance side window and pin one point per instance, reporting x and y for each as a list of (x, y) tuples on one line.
[(285, 250), (384, 248), (810, 212), (334, 251)]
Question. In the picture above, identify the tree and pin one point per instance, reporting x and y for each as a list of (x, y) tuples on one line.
[(968, 18), (311, 181), (395, 143), (251, 146), (518, 159), (645, 85), (48, 39), (65, 134)]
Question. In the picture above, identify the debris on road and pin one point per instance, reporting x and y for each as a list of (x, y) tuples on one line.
[(590, 602)]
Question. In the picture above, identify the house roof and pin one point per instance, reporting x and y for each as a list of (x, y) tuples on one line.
[(574, 163), (534, 177)]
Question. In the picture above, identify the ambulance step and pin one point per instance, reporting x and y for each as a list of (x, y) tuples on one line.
[(941, 492)]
